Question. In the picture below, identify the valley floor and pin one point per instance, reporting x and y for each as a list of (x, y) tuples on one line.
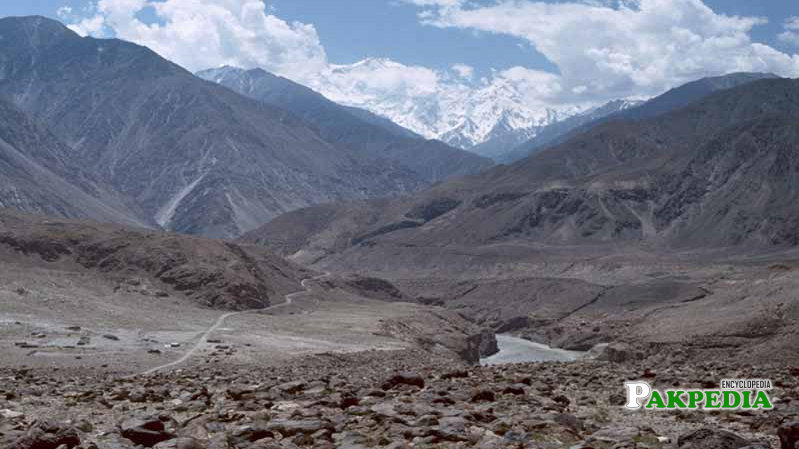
[(81, 323), (116, 362)]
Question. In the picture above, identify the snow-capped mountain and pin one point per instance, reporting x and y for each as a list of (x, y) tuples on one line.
[(490, 117), (373, 136), (462, 114)]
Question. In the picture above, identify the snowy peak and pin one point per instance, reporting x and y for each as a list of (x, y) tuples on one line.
[(437, 105)]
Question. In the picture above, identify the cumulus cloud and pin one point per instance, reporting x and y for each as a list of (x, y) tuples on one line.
[(791, 34), (371, 80), (532, 85), (199, 34), (65, 12), (206, 33), (608, 49)]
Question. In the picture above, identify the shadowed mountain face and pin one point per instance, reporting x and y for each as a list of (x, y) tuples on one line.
[(38, 174), (721, 172), (197, 157), (360, 130), (558, 131), (674, 99), (682, 96)]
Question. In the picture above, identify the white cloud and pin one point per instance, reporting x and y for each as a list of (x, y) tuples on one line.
[(372, 79), (791, 34), (463, 71), (90, 26), (609, 49), (200, 34), (206, 33), (65, 12)]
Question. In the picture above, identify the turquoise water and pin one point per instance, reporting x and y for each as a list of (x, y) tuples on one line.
[(519, 350)]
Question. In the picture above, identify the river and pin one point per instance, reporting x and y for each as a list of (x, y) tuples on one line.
[(519, 350)]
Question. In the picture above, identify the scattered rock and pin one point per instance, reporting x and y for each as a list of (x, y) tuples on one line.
[(146, 431), (46, 435), (788, 434), (483, 396), (10, 414), (403, 379), (287, 427), (180, 443), (621, 353), (707, 438)]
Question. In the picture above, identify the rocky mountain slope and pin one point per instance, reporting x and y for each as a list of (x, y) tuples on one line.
[(714, 174), (39, 174), (197, 157), (682, 96), (551, 134), (674, 99), (361, 130), (510, 145), (210, 273)]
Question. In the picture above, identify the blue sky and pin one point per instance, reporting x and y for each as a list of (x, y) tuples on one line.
[(357, 29), (352, 30)]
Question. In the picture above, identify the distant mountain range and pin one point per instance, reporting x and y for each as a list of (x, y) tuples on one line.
[(719, 172), (108, 130), (357, 129), (468, 118), (496, 121), (187, 155)]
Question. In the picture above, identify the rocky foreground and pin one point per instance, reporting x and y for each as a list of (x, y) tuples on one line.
[(385, 400)]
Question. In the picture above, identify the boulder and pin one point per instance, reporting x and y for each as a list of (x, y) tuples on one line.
[(621, 353), (46, 435), (708, 438), (291, 427), (180, 443), (251, 433), (788, 434), (403, 379), (483, 396), (146, 431)]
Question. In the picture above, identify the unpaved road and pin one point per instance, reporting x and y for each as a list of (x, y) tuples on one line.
[(203, 340)]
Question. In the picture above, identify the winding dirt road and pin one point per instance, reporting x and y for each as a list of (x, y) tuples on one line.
[(203, 340)]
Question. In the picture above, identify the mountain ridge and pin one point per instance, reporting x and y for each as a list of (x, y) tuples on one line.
[(39, 176), (458, 116), (373, 136), (668, 181), (201, 158), (671, 100)]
